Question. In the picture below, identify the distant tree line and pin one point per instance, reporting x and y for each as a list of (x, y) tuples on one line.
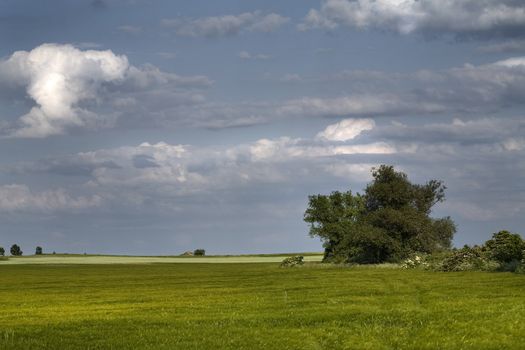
[(17, 251)]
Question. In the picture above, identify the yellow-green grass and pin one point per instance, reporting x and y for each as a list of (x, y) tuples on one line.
[(257, 306), (115, 259)]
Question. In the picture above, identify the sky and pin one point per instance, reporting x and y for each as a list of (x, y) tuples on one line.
[(155, 127)]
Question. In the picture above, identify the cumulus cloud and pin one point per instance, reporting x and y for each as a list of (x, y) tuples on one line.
[(138, 174), (17, 197), (469, 154), (346, 129), (58, 78), (459, 17), (62, 80), (182, 169), (228, 25)]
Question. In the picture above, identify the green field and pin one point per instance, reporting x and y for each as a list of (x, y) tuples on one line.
[(112, 259), (255, 306)]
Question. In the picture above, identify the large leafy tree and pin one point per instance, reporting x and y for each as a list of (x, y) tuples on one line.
[(388, 223), (331, 217)]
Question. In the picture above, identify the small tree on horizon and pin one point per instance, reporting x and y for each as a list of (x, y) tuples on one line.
[(15, 250), (38, 250), (199, 252), (2, 251)]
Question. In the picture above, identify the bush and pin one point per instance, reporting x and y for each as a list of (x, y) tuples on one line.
[(417, 261), (521, 266), (39, 251), (468, 259), (292, 261), (199, 252), (505, 247), (2, 251), (511, 266)]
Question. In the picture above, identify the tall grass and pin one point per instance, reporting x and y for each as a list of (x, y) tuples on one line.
[(257, 306)]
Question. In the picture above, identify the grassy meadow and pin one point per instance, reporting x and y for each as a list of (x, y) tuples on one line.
[(257, 305)]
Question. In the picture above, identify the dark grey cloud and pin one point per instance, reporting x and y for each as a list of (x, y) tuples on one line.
[(462, 18), (469, 89)]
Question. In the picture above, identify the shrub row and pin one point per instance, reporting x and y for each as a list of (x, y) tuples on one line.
[(505, 251)]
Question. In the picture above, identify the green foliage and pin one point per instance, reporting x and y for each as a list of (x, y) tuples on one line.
[(293, 261), (521, 267), (2, 251), (505, 247), (387, 224), (38, 251), (16, 251), (468, 259), (414, 262), (199, 252)]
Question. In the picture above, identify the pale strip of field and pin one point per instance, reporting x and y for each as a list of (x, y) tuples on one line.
[(49, 259)]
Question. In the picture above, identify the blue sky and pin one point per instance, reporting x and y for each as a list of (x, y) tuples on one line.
[(155, 127)]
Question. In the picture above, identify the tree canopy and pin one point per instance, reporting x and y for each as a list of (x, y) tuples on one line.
[(505, 246), (15, 250), (388, 222)]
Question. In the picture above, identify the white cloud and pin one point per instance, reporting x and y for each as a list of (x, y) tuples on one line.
[(359, 104), (470, 155), (468, 17), (63, 81), (20, 198), (228, 25), (346, 129), (512, 62), (162, 170), (58, 78), (514, 144)]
